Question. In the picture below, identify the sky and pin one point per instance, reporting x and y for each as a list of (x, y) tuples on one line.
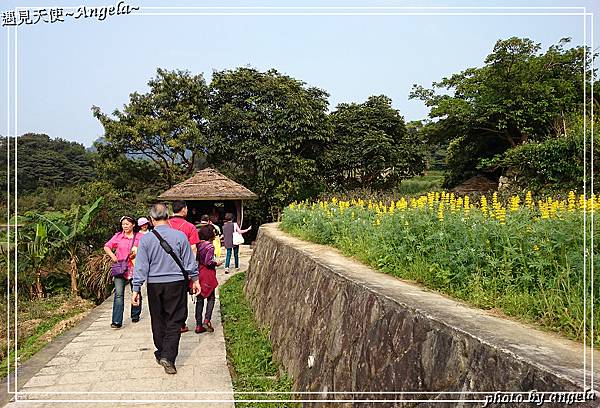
[(62, 69)]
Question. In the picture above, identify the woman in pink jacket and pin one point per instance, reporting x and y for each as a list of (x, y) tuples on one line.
[(122, 244)]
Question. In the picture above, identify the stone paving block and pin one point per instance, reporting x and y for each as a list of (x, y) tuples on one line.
[(62, 361), (92, 376), (99, 349), (42, 381), (76, 346), (150, 371), (59, 369), (104, 342), (126, 346), (118, 356), (116, 364), (73, 354), (130, 384)]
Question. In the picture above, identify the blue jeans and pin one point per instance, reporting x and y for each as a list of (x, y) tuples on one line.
[(119, 302), (236, 256)]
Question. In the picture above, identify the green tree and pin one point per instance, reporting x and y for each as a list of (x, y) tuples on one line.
[(268, 131), (371, 146), (167, 125), (45, 162), (519, 95)]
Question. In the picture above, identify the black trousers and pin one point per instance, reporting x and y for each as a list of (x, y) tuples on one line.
[(168, 310)]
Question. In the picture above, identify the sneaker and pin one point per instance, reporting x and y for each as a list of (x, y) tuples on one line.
[(135, 319), (115, 326), (208, 327), (169, 367), (184, 329), (200, 329), (226, 270)]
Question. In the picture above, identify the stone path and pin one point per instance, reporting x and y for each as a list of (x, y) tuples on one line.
[(119, 365)]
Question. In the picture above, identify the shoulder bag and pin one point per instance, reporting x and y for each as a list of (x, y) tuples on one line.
[(238, 239), (120, 268)]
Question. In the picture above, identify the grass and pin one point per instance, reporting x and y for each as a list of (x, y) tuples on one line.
[(39, 321), (249, 351), (432, 181)]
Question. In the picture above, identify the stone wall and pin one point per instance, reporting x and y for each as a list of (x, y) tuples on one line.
[(337, 325)]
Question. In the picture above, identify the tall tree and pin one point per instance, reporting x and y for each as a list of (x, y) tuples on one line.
[(520, 94), (167, 125), (371, 146), (268, 131)]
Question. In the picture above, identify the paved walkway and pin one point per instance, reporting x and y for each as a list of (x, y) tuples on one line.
[(106, 364)]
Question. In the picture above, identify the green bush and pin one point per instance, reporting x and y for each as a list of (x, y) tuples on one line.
[(551, 165)]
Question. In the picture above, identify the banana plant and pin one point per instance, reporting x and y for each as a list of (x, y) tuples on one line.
[(37, 250), (69, 232)]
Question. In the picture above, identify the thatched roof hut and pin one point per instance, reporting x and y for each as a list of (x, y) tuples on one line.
[(210, 192)]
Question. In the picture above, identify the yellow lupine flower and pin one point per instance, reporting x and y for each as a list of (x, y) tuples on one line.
[(440, 213), (459, 203), (529, 200), (553, 209), (484, 205), (514, 203), (590, 204), (501, 215), (571, 201), (544, 210)]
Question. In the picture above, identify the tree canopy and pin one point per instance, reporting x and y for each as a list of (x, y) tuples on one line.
[(371, 146), (45, 162), (167, 125), (520, 94), (268, 131)]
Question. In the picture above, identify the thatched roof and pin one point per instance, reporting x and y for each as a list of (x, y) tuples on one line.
[(208, 184)]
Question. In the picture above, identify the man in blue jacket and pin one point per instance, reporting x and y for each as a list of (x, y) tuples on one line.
[(167, 287)]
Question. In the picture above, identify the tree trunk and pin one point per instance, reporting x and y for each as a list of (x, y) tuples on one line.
[(39, 289), (74, 273)]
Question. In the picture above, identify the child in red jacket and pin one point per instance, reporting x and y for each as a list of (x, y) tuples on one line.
[(208, 279)]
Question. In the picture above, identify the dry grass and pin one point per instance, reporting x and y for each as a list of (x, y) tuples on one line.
[(95, 275)]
